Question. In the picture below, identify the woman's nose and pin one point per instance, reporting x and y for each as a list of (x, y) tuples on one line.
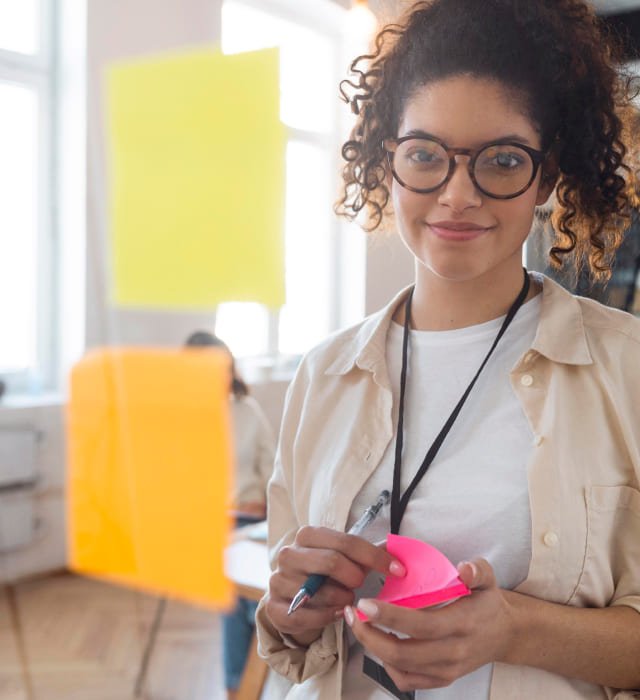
[(459, 192)]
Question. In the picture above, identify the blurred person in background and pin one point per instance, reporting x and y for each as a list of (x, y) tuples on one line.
[(254, 447)]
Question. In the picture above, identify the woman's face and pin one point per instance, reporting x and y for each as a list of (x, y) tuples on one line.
[(457, 232)]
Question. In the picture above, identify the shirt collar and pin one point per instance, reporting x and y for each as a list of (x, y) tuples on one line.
[(365, 347), (560, 336)]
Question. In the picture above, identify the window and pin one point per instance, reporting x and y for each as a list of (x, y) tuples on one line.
[(317, 249), (26, 187)]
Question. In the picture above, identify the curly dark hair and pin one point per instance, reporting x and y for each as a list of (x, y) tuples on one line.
[(558, 59)]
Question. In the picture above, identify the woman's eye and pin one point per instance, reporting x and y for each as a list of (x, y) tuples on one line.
[(422, 157), (508, 160), (505, 160)]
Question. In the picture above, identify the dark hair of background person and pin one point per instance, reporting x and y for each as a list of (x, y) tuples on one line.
[(204, 339), (561, 66)]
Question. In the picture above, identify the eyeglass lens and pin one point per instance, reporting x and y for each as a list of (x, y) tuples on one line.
[(499, 169)]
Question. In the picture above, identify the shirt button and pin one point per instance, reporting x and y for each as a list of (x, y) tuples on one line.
[(551, 539), (538, 440), (526, 380)]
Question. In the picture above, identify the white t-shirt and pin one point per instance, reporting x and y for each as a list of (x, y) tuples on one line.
[(473, 501)]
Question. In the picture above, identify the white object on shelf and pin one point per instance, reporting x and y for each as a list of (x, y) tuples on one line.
[(18, 447), (17, 520)]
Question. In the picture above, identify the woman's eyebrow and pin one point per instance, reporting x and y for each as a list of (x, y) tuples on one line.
[(420, 134), (512, 137)]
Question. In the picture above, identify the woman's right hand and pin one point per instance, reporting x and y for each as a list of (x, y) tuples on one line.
[(345, 559)]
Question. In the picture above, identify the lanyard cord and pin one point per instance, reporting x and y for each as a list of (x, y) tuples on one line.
[(399, 503)]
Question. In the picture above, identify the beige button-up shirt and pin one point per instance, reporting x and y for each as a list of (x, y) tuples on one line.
[(579, 386), (254, 447)]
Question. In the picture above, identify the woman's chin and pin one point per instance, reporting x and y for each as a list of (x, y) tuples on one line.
[(453, 270)]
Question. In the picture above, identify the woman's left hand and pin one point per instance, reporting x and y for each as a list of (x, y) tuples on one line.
[(444, 643)]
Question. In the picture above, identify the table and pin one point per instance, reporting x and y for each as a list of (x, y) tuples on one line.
[(247, 566)]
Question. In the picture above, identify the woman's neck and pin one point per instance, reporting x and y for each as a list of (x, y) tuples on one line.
[(440, 305)]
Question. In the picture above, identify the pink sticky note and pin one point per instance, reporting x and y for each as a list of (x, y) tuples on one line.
[(430, 579)]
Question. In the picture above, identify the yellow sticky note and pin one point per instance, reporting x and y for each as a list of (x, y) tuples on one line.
[(149, 452), (197, 180)]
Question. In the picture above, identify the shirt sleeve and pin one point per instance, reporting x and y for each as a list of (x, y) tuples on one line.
[(280, 651), (294, 662)]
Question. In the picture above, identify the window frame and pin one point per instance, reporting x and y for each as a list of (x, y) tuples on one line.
[(38, 72), (327, 18)]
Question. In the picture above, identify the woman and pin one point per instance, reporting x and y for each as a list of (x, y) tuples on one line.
[(470, 115), (253, 448)]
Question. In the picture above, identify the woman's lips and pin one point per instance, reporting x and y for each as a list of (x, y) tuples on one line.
[(457, 232)]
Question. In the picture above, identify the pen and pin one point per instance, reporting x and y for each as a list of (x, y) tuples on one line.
[(313, 583)]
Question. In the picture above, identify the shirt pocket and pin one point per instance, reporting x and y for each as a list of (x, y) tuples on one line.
[(611, 567)]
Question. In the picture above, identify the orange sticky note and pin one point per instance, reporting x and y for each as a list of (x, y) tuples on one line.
[(149, 451)]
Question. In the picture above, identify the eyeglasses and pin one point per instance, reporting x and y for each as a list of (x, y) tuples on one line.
[(502, 170)]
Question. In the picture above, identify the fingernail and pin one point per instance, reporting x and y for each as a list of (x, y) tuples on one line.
[(368, 607), (338, 614), (349, 616), (397, 569), (474, 569)]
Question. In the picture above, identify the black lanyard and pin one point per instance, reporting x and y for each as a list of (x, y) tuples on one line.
[(399, 503)]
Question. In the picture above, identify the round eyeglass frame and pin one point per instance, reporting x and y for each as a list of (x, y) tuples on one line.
[(390, 146)]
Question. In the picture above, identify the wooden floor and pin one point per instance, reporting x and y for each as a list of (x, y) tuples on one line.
[(84, 640)]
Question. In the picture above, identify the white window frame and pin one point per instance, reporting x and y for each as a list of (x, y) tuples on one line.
[(38, 72), (345, 304)]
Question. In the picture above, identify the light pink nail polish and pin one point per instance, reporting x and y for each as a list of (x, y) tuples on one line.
[(349, 616), (368, 607), (397, 569), (474, 568)]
